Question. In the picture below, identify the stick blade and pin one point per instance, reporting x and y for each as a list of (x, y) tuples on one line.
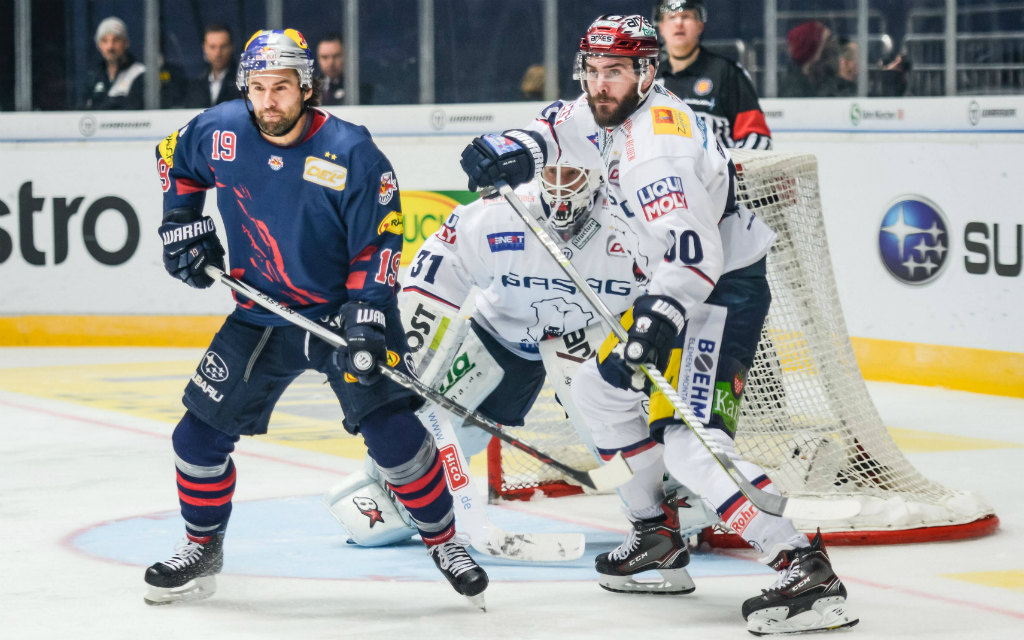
[(532, 547), (613, 473), (821, 508)]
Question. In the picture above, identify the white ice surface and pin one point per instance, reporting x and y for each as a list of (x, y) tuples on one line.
[(67, 469)]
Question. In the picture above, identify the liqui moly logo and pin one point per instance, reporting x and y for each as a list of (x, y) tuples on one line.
[(658, 198), (457, 478)]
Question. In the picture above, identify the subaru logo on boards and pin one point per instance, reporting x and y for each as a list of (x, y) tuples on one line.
[(913, 240)]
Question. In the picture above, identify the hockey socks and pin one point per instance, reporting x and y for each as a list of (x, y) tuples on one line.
[(408, 458), (205, 475)]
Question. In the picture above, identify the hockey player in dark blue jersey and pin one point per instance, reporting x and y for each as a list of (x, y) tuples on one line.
[(310, 209)]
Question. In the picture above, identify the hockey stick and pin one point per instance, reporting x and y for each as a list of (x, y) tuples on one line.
[(608, 476), (796, 508), (486, 536)]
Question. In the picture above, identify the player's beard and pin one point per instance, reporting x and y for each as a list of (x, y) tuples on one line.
[(283, 124), (609, 112)]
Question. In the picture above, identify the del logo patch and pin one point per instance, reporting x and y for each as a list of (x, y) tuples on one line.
[(671, 121), (508, 241), (324, 173)]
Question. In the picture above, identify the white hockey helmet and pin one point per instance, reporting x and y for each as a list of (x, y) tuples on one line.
[(276, 49), (570, 192)]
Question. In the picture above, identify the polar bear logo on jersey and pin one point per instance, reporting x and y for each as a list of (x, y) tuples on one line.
[(553, 315)]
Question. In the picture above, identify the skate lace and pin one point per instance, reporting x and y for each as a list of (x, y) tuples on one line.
[(628, 546), (787, 576), (186, 553), (452, 557)]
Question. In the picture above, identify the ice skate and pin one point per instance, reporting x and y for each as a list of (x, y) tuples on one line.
[(651, 545), (189, 574), (464, 574), (808, 596)]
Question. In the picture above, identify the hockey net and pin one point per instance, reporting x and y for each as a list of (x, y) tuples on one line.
[(807, 418)]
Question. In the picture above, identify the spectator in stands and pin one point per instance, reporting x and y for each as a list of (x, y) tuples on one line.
[(814, 52), (116, 82), (330, 57), (847, 67), (217, 83), (890, 79), (718, 89), (532, 85)]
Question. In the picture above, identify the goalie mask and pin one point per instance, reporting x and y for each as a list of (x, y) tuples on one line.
[(570, 192), (624, 37), (275, 49)]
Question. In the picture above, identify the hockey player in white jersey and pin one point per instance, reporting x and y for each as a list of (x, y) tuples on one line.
[(527, 315), (706, 261)]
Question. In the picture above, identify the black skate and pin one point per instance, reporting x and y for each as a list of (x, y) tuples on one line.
[(808, 596), (464, 574), (188, 574), (653, 544)]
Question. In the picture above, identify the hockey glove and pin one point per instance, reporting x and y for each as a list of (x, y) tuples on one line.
[(657, 320), (362, 326), (514, 156), (190, 243)]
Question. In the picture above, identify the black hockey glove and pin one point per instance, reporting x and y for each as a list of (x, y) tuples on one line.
[(514, 156), (657, 320), (362, 326), (190, 243)]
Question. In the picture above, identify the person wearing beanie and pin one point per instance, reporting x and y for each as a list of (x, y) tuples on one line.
[(814, 53), (116, 82)]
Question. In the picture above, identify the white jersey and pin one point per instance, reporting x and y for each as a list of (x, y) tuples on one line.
[(672, 183), (524, 296)]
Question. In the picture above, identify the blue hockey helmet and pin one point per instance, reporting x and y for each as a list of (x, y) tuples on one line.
[(276, 49)]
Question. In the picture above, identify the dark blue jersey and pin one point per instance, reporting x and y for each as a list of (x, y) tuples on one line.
[(311, 225)]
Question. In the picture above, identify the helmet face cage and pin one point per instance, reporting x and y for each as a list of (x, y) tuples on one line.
[(569, 191), (668, 7), (622, 37), (275, 49)]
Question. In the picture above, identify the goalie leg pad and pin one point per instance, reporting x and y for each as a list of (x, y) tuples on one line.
[(498, 384), (514, 381), (368, 511), (431, 330)]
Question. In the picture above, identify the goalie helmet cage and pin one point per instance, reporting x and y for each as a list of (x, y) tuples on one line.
[(807, 418)]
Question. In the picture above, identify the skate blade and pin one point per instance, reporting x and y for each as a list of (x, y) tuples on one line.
[(672, 582), (826, 614), (197, 589), (478, 601)]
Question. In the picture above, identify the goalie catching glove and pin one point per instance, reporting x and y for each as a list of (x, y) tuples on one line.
[(362, 326), (190, 244), (657, 320), (515, 156)]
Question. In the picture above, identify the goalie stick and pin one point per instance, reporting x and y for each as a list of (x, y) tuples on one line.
[(484, 535), (794, 508), (608, 476)]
